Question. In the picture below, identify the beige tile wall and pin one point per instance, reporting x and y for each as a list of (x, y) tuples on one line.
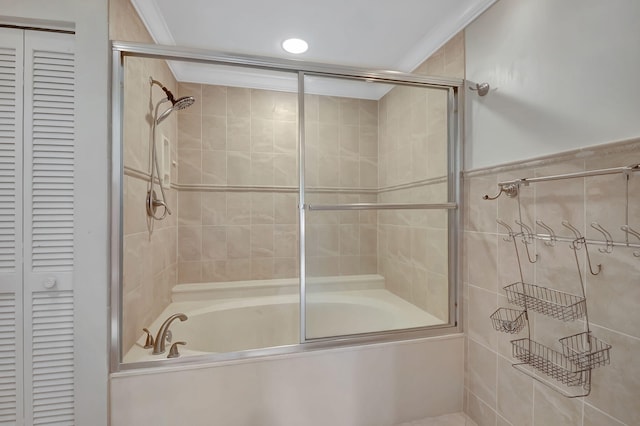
[(413, 151), (448, 61), (246, 138), (413, 135), (341, 145), (341, 158), (149, 262), (231, 142), (497, 392)]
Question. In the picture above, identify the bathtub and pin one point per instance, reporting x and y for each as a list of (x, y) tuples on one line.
[(242, 315)]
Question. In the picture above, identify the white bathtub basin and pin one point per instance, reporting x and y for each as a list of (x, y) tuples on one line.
[(217, 324)]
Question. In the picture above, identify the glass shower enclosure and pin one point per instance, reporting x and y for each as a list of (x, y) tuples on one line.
[(312, 206), (376, 207)]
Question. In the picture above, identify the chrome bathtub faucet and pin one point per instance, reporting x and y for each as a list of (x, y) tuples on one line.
[(159, 344)]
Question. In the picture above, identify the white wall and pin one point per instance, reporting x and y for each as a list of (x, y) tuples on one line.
[(91, 243), (376, 385), (563, 75)]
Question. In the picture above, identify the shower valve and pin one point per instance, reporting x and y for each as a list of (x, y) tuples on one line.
[(153, 202)]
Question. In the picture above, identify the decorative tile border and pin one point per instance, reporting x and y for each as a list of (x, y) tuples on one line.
[(423, 182), (135, 173), (138, 174)]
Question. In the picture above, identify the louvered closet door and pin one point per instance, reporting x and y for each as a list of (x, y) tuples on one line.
[(48, 232), (11, 317)]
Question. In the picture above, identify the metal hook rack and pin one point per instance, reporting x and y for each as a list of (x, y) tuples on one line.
[(512, 189), (551, 238)]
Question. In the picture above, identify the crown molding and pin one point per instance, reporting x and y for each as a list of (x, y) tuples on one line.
[(438, 37)]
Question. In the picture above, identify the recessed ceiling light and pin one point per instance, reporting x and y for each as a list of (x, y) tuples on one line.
[(295, 45)]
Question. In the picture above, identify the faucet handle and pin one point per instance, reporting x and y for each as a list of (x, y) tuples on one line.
[(149, 342), (161, 337), (173, 351)]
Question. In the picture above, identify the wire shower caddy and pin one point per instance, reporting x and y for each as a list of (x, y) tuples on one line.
[(582, 352)]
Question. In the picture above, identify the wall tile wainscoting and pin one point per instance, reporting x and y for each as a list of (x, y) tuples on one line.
[(494, 388)]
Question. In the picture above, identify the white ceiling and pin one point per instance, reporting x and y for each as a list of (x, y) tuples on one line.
[(374, 34)]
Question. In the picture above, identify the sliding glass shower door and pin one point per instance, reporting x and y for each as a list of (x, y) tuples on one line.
[(377, 207)]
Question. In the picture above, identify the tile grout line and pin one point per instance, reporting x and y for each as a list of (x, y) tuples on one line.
[(585, 403)]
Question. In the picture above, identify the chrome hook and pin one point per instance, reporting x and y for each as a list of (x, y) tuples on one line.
[(511, 238), (509, 230), (552, 235), (527, 238), (573, 229), (629, 230), (607, 237), (579, 240), (524, 227), (511, 190), (599, 265), (577, 245)]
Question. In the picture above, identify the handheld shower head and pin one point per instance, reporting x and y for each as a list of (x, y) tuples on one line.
[(182, 103), (176, 104)]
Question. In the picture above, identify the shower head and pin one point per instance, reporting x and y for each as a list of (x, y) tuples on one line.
[(176, 104), (181, 103)]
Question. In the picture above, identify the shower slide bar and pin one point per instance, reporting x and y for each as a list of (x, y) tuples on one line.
[(377, 206)]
